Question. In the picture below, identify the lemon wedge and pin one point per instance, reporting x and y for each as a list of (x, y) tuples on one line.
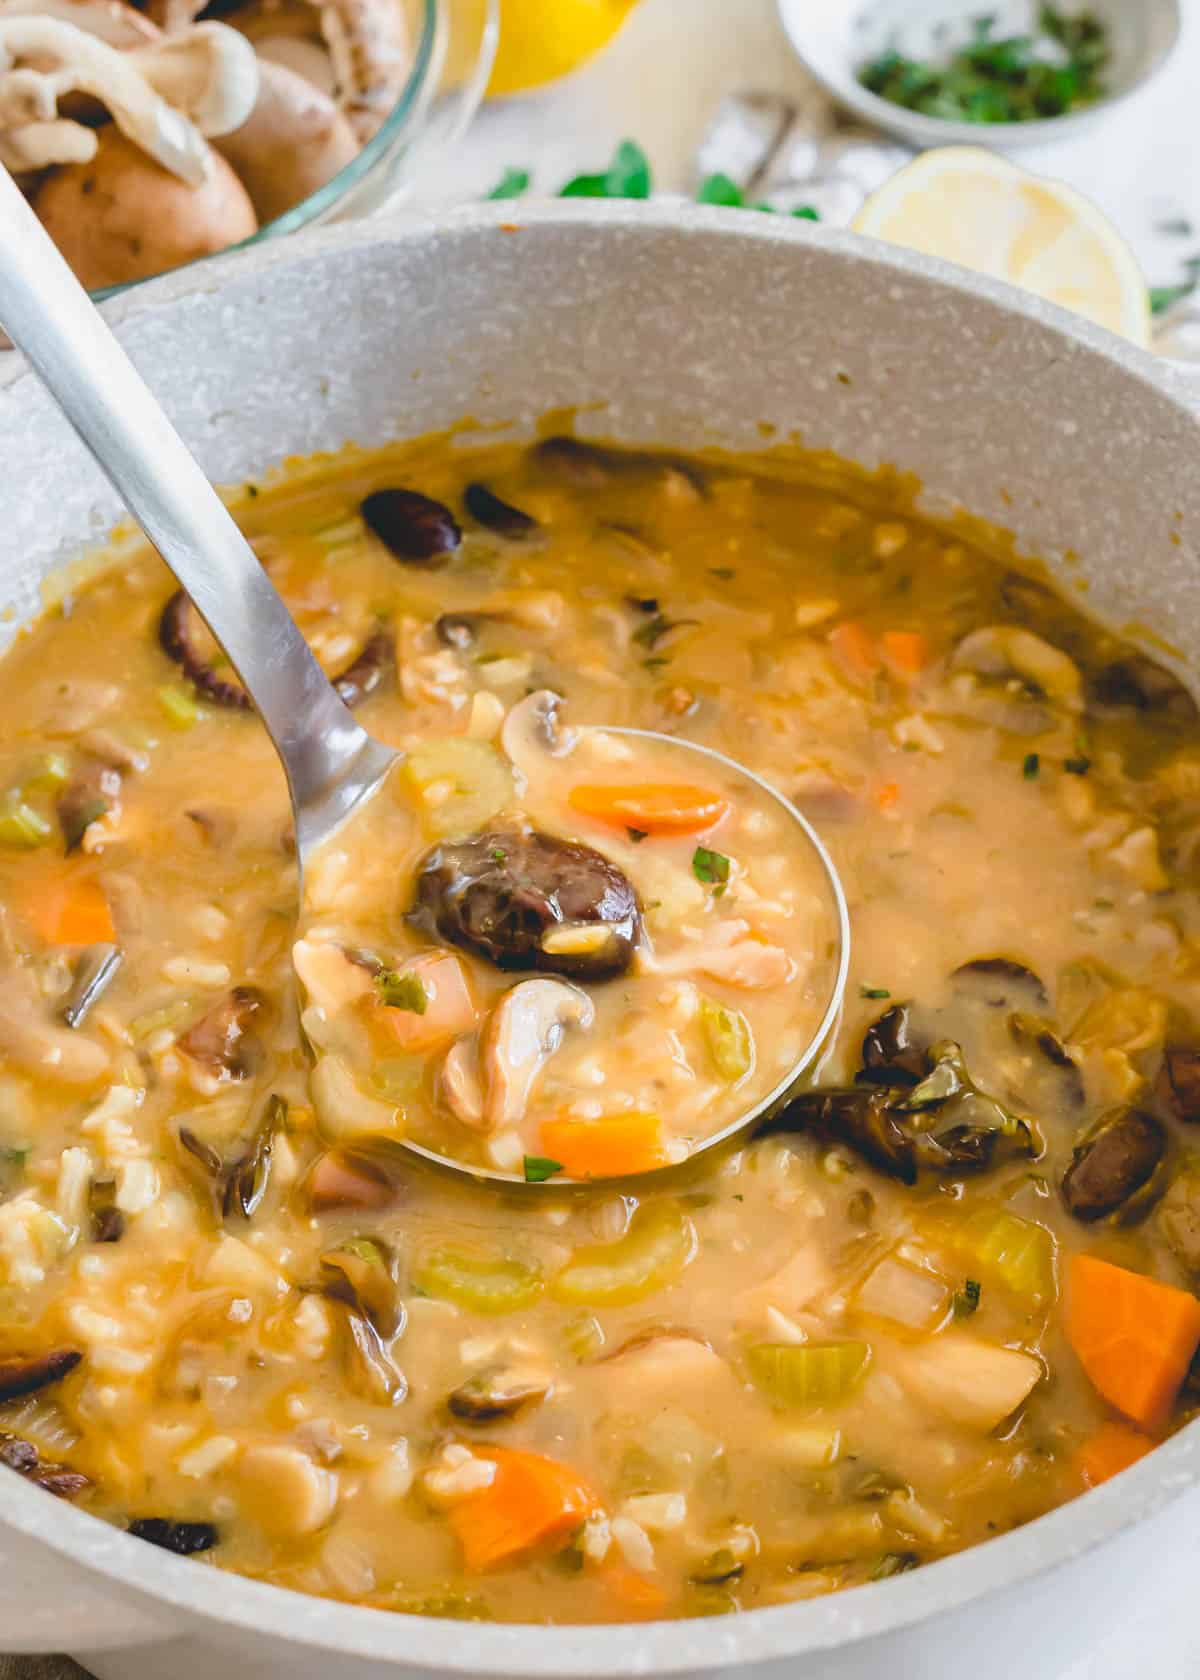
[(541, 40), (975, 208)]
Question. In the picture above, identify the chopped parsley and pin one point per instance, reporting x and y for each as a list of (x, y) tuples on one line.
[(637, 835), (538, 1168), (722, 572), (511, 184), (402, 991), (966, 1299), (874, 992), (499, 855), (1077, 766), (894, 1563), (710, 867), (1031, 766)]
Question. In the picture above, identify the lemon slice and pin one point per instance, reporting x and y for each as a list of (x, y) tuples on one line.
[(541, 40), (975, 208)]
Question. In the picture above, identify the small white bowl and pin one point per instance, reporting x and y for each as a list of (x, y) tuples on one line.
[(834, 38)]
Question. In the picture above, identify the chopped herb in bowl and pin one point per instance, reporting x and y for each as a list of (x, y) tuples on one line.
[(1055, 67)]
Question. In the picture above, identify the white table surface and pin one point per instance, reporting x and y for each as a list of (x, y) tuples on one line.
[(660, 83)]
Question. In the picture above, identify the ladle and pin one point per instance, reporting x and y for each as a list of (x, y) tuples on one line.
[(332, 764)]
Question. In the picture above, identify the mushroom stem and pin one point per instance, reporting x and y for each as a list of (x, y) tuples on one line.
[(210, 74)]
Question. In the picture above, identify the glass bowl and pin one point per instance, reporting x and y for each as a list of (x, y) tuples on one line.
[(454, 44)]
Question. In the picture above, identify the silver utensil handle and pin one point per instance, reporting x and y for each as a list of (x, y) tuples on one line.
[(50, 317)]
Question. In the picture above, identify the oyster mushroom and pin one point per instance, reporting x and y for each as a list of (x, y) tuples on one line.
[(533, 733), (42, 59), (110, 21), (27, 1374), (185, 1539), (1007, 652), (294, 140), (369, 49), (526, 1028), (24, 1458), (360, 1274), (527, 900), (220, 1040), (499, 1393), (210, 73)]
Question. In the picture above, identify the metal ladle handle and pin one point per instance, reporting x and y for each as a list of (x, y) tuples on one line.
[(50, 317)]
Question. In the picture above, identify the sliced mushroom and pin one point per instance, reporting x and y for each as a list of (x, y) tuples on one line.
[(291, 144), (862, 1118), (1146, 686), (490, 510), (185, 1539), (891, 1054), (1000, 982), (373, 1371), (411, 526), (369, 671), (502, 892), (584, 466), (1118, 1157), (363, 1179), (93, 791), (25, 1459), (110, 21), (1178, 1082), (1005, 652), (209, 72), (221, 1042), (360, 1273), (533, 733), (28, 1374), (499, 1393), (1029, 1031), (458, 630), (526, 1028), (246, 1178), (460, 1084), (61, 59)]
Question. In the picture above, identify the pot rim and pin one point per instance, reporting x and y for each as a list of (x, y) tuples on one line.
[(497, 1649)]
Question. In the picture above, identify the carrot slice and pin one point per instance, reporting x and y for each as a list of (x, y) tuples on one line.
[(905, 652), (1133, 1336), (534, 1502), (637, 1594), (854, 649), (71, 910), (1113, 1448), (887, 797), (607, 1148), (652, 808)]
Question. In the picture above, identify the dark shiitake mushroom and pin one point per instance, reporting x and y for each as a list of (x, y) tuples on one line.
[(1117, 1157), (26, 1373), (584, 466), (863, 1119), (92, 792), (360, 1273), (1140, 683), (1178, 1082), (527, 900), (367, 671), (499, 1393), (221, 1041), (497, 515), (239, 1185), (413, 527), (185, 1539), (27, 1461), (891, 1054), (1000, 982)]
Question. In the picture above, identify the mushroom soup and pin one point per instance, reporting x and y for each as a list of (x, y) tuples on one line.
[(949, 1283)]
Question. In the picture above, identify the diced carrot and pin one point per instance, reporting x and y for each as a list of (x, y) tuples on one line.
[(887, 797), (637, 1594), (449, 1007), (1135, 1337), (652, 808), (533, 1503), (1113, 1448), (71, 910), (606, 1148), (854, 649), (905, 652)]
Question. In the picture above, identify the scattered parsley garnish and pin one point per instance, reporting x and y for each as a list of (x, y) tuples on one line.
[(710, 867), (1031, 766), (874, 992), (655, 664), (629, 176), (723, 572), (402, 991), (1077, 766), (649, 635), (538, 1168), (966, 1299), (894, 1563), (643, 603), (637, 835), (499, 855), (511, 184), (1002, 78)]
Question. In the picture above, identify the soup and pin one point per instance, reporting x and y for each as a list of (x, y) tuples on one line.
[(948, 1283)]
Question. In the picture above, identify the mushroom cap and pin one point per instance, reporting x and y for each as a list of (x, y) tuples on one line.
[(209, 73), (110, 21)]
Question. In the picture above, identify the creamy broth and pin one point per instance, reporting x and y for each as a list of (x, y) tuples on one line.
[(949, 1284)]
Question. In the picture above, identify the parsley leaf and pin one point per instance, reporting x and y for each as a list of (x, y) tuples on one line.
[(1031, 766), (710, 867), (402, 991), (719, 189), (538, 1168), (511, 184), (637, 835), (874, 992), (1077, 766), (966, 1299), (627, 176)]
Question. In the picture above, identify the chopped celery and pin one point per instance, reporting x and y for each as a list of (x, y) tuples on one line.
[(154, 1020), (654, 1250), (48, 773), (728, 1038), (810, 1377), (459, 782), (1019, 1253), (483, 1283), (397, 1079), (20, 825), (583, 1336), (181, 705)]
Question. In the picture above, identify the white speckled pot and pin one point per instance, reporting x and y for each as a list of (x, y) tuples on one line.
[(690, 328)]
